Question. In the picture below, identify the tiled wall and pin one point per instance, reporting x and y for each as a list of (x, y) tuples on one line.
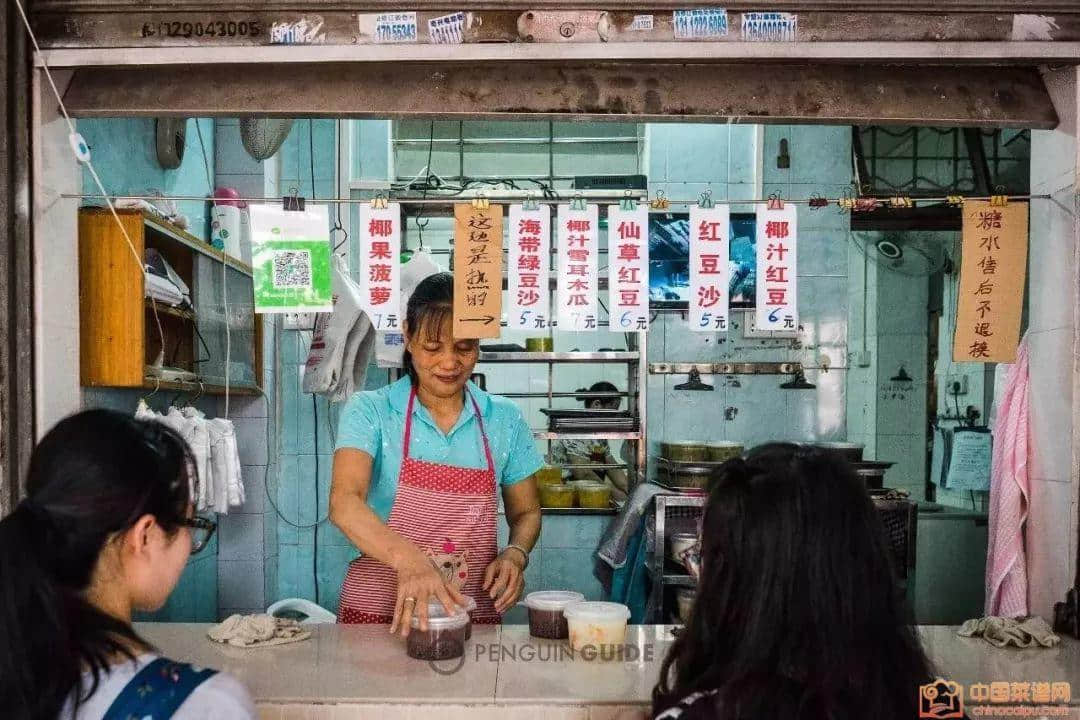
[(683, 161), (1051, 532), (125, 159), (123, 152)]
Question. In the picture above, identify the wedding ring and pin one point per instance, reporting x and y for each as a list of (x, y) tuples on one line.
[(410, 600)]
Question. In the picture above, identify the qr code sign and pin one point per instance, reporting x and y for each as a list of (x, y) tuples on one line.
[(292, 269)]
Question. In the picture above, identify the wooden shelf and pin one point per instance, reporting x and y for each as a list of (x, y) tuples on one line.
[(194, 387), (169, 310)]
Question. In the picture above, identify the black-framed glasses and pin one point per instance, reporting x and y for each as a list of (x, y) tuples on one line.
[(201, 530)]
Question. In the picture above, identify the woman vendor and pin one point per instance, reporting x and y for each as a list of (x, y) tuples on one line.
[(416, 468)]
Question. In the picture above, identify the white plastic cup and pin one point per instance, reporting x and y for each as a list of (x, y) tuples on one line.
[(596, 624), (546, 619)]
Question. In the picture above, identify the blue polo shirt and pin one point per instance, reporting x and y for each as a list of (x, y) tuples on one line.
[(374, 421)]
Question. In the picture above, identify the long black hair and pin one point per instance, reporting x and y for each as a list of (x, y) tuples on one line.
[(798, 614), (431, 303), (92, 476)]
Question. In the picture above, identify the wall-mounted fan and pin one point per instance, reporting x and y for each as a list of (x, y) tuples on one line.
[(915, 254), (262, 137), (170, 139)]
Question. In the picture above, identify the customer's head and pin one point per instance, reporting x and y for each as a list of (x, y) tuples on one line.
[(798, 613), (601, 403), (436, 361), (100, 533)]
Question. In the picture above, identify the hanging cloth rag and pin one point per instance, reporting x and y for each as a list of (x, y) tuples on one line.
[(250, 631), (617, 542), (225, 464), (1006, 566), (1019, 632)]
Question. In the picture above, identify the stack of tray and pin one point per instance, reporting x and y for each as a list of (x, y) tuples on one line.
[(590, 421)]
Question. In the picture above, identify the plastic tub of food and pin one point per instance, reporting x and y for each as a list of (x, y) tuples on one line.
[(679, 543), (549, 476), (539, 344), (557, 496), (593, 495), (596, 624), (470, 607), (722, 451), (685, 451), (546, 607), (443, 640), (685, 598)]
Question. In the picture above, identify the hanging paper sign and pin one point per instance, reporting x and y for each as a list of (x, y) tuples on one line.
[(478, 274), (527, 295), (290, 259), (993, 268), (710, 234), (577, 296), (380, 262), (628, 269), (776, 268)]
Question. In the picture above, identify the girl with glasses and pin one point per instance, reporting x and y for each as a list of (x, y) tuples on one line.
[(105, 530)]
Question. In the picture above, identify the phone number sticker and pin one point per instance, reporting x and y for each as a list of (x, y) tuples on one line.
[(204, 29)]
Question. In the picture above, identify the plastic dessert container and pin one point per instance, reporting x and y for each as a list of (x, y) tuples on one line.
[(546, 619), (549, 476), (596, 624), (593, 495), (679, 543), (720, 451), (443, 640), (557, 496)]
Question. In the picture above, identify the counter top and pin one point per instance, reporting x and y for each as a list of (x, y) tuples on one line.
[(363, 666)]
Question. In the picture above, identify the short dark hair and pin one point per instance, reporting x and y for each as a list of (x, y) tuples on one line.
[(431, 303)]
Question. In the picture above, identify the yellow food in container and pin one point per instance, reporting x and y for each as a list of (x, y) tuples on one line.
[(557, 496), (596, 625), (593, 495), (549, 476), (540, 344)]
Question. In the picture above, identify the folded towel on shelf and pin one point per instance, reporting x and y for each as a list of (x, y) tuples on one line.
[(1018, 632), (250, 631)]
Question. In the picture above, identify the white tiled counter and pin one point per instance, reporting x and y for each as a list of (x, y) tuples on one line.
[(360, 672)]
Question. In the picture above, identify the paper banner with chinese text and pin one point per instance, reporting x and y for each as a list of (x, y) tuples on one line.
[(777, 271), (380, 264), (528, 297), (577, 289), (710, 230), (993, 267), (478, 270), (628, 269)]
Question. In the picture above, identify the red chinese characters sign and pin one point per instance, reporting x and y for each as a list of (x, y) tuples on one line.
[(577, 286), (528, 298), (777, 270), (993, 268), (628, 269), (710, 273), (478, 271), (380, 263)]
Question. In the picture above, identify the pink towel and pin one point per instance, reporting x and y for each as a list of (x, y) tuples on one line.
[(1006, 568)]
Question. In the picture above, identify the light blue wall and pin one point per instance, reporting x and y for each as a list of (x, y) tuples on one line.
[(683, 160), (123, 152)]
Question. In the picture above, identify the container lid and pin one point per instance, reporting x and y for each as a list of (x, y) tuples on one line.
[(724, 444), (552, 599), (684, 443), (438, 619), (835, 445), (435, 608), (597, 612), (589, 485), (556, 488)]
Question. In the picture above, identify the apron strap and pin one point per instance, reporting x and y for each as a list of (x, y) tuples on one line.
[(157, 691), (479, 421)]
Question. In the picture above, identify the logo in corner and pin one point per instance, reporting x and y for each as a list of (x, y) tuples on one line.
[(941, 699)]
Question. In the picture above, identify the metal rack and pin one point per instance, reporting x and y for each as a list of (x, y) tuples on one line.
[(670, 510), (636, 392), (680, 512)]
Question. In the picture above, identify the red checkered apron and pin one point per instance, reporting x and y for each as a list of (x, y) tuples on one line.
[(435, 506)]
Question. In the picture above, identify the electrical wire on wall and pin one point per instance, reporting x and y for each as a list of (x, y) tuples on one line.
[(314, 397)]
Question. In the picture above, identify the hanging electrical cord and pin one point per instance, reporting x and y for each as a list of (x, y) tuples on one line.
[(427, 183), (224, 273), (314, 397), (82, 153), (337, 224)]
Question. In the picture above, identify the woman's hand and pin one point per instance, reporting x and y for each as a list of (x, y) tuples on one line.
[(418, 581), (504, 579)]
